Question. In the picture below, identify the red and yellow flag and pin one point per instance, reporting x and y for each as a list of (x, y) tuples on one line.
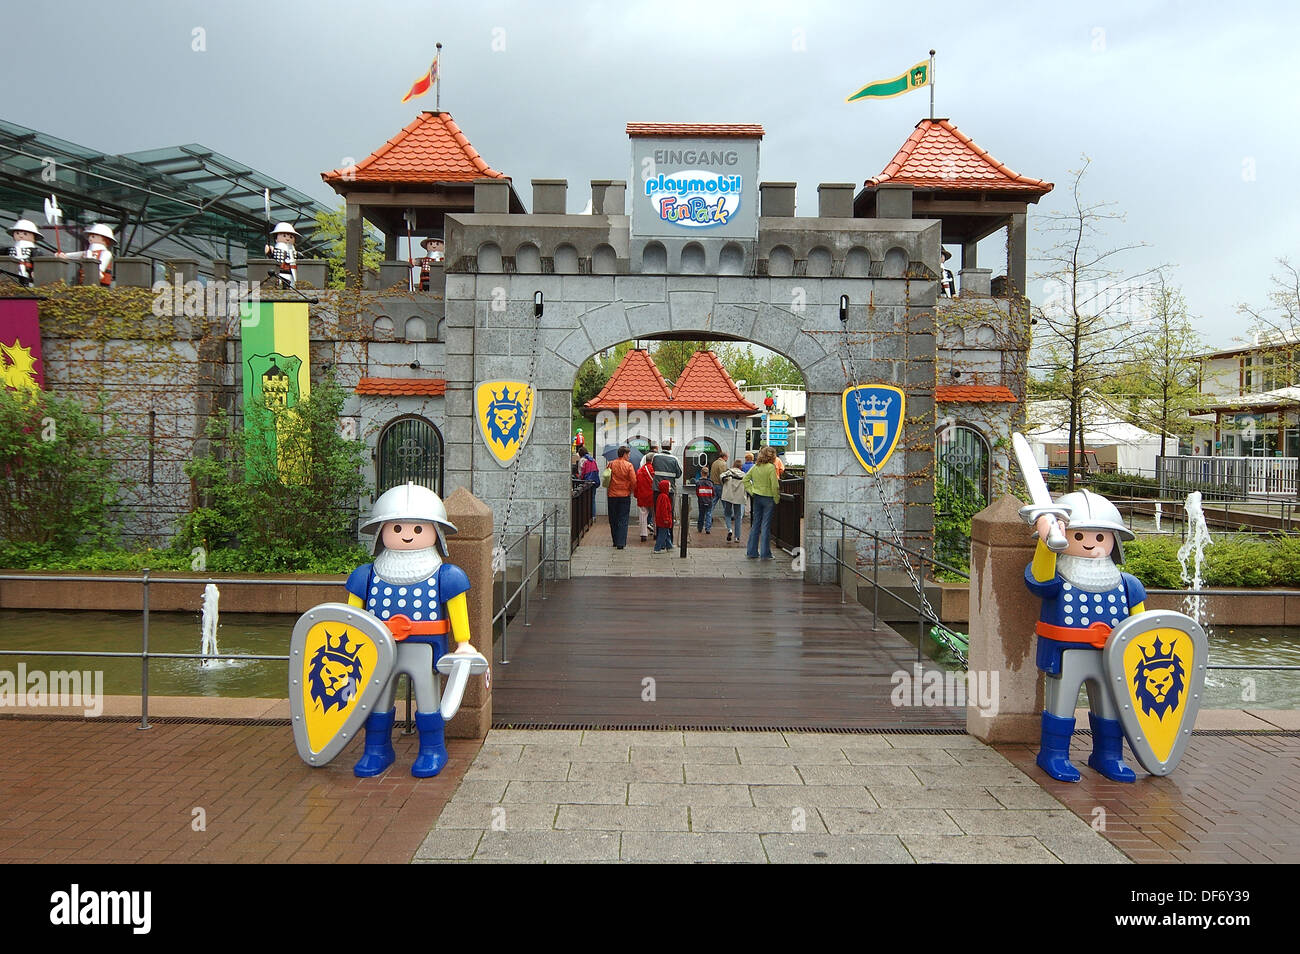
[(21, 367), (424, 83)]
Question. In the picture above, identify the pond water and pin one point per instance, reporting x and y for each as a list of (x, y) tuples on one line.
[(268, 634)]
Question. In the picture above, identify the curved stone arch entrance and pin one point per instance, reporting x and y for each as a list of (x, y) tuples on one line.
[(837, 329)]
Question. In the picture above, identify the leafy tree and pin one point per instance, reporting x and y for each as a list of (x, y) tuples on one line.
[(757, 366), (1281, 316), (1085, 331), (284, 504), (594, 374), (331, 234), (57, 488), (1165, 364), (670, 357)]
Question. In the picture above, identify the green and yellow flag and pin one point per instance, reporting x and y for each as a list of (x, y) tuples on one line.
[(915, 78), (276, 373)]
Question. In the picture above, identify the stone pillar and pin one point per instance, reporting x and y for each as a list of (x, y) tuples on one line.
[(608, 197), (353, 229), (394, 273), (550, 196), (186, 268), (49, 269), (976, 282), (969, 254), (835, 200), (220, 270), (776, 200), (135, 272), (391, 251), (893, 201), (313, 272), (1016, 254), (492, 195), (471, 550), (1002, 617)]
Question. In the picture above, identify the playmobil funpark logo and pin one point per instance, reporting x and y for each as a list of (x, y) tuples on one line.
[(695, 198)]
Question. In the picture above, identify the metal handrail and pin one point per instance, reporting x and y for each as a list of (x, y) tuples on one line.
[(526, 576)]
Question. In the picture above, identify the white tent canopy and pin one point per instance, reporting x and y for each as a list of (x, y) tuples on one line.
[(1129, 448)]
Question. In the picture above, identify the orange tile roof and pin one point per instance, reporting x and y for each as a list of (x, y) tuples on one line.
[(405, 387), (430, 149), (973, 394), (939, 156), (704, 385), (636, 383), (717, 130)]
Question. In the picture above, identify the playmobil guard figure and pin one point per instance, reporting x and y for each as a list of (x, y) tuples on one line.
[(285, 253), (433, 256), (1085, 595), (101, 239), (421, 600), (24, 232)]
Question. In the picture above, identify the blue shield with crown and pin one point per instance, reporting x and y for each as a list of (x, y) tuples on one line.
[(873, 421), (340, 657), (1155, 666), (505, 417)]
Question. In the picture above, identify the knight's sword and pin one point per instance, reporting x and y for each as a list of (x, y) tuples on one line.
[(1040, 499), (458, 667)]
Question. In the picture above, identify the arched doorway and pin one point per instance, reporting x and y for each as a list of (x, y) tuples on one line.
[(409, 450), (962, 463), (701, 452)]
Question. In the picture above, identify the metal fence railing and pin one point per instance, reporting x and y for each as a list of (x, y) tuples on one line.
[(549, 526), (582, 510)]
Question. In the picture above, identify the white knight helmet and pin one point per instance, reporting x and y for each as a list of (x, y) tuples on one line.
[(1092, 511), (409, 502)]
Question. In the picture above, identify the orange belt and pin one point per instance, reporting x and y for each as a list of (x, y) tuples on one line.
[(1094, 634), (402, 626)]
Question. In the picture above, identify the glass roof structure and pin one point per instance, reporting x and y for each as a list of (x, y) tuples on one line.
[(179, 202)]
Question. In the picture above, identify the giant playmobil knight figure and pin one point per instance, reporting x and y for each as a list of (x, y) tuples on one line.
[(420, 599), (1084, 596)]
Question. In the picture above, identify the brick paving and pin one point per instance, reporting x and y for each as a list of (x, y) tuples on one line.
[(683, 796), (1232, 799), (98, 791)]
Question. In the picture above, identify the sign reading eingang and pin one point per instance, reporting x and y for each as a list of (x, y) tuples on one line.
[(695, 187)]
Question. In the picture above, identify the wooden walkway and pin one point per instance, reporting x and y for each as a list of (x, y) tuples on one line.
[(721, 653)]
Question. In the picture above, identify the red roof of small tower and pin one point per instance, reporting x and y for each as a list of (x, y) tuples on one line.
[(429, 149), (702, 130), (939, 156), (407, 387), (636, 383), (973, 394), (704, 385)]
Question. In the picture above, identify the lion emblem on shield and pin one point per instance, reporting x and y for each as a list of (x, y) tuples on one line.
[(505, 417), (335, 673), (1159, 680)]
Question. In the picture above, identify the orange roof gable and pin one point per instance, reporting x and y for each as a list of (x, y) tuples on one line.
[(683, 130), (705, 386), (404, 387), (973, 394), (430, 149), (939, 156), (636, 383)]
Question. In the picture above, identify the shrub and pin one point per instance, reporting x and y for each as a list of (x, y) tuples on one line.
[(1154, 561), (56, 486)]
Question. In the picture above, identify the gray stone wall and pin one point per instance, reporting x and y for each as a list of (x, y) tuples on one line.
[(886, 269)]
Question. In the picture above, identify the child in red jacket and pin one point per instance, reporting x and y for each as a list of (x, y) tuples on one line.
[(664, 518)]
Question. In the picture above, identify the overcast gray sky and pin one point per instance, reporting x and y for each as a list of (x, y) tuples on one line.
[(1188, 111)]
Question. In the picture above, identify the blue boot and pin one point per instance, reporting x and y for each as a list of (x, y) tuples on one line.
[(1108, 749), (1054, 751), (433, 751), (379, 752)]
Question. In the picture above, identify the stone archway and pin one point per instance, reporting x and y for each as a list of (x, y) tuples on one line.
[(504, 326)]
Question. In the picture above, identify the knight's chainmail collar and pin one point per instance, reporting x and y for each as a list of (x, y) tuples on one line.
[(407, 566), (1089, 573)]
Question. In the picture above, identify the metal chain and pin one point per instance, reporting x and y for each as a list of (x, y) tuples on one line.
[(514, 467), (884, 505)]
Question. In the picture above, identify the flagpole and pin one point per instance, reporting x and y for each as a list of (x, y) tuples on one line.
[(932, 86), (437, 81)]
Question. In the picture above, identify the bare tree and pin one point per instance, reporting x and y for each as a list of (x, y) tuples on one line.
[(1084, 327)]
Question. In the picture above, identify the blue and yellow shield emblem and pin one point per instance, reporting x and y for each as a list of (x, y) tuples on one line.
[(340, 657), (1155, 664), (873, 421), (504, 411)]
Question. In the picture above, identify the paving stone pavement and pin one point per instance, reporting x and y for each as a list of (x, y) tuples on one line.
[(760, 797)]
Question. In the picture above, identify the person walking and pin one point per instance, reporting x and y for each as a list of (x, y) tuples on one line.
[(622, 481), (664, 518), (719, 467), (706, 495), (732, 482), (667, 469), (588, 469), (645, 497), (765, 489)]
